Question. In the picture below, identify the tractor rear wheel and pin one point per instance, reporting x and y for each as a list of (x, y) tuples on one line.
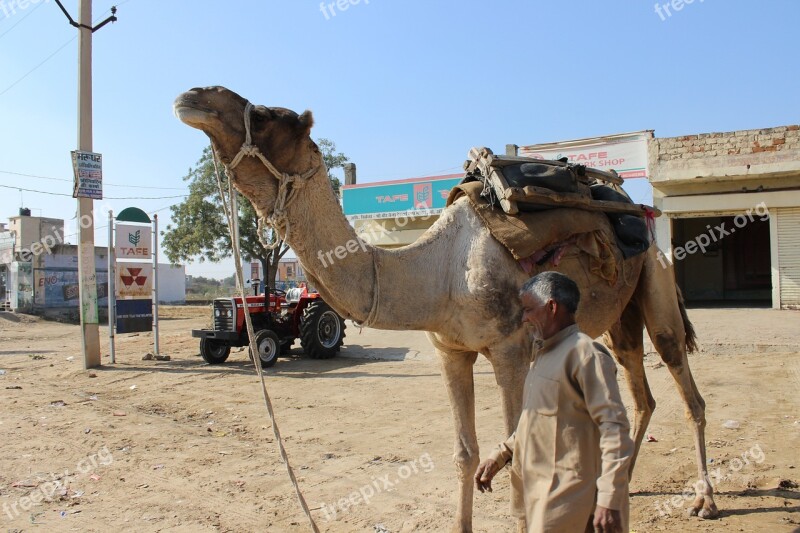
[(321, 331), (214, 352)]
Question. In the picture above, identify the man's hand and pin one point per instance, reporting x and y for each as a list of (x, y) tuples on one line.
[(483, 476), (606, 520)]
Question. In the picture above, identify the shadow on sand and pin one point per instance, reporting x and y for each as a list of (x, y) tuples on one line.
[(294, 365)]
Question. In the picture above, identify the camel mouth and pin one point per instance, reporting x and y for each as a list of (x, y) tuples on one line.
[(191, 113), (194, 116)]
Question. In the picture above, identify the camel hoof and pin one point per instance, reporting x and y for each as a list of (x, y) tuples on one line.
[(706, 513), (709, 513)]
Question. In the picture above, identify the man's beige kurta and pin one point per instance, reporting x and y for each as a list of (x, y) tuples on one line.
[(571, 448)]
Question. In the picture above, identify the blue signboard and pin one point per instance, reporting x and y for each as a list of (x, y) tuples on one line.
[(134, 316), (421, 196)]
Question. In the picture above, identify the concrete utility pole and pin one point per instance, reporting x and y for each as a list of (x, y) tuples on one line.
[(87, 274)]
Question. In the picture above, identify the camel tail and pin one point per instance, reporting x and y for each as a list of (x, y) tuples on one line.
[(691, 336)]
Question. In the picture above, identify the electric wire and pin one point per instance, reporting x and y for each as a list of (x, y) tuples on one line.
[(48, 58), (104, 197), (104, 183), (31, 71), (28, 14)]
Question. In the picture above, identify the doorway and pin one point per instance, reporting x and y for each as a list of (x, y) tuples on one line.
[(725, 260)]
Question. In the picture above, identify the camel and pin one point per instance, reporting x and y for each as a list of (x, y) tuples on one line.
[(474, 308)]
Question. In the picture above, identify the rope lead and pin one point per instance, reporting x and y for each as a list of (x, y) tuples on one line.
[(228, 209)]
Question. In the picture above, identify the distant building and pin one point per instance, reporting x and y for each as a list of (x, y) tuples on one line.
[(290, 269), (391, 214), (39, 273)]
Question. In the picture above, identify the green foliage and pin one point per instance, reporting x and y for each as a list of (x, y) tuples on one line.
[(199, 229), (332, 161), (202, 288)]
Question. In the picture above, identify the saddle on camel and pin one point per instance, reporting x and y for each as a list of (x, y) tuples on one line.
[(522, 201)]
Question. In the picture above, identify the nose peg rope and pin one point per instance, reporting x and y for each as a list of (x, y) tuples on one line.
[(288, 184), (229, 214)]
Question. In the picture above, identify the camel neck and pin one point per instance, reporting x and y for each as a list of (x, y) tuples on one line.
[(359, 280)]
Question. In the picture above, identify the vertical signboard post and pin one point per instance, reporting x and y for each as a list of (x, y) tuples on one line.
[(155, 284), (111, 280), (135, 266)]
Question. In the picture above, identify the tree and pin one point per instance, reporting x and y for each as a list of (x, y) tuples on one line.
[(332, 160), (199, 229)]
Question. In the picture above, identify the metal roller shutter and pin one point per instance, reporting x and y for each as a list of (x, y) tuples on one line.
[(789, 256)]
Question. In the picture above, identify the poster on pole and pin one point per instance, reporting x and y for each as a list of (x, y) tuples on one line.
[(133, 242), (134, 281), (88, 170)]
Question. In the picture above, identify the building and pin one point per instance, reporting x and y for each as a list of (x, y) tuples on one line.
[(395, 213), (731, 204), (21, 242), (6, 254), (290, 270), (39, 273)]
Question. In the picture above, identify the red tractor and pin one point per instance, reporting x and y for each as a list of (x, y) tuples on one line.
[(289, 315)]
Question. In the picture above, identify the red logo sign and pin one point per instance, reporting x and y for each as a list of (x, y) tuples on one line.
[(423, 195), (133, 277)]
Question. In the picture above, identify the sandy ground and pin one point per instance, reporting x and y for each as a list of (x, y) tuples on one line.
[(182, 446)]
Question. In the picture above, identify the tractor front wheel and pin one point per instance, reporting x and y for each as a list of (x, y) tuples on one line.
[(214, 352), (321, 331), (268, 347)]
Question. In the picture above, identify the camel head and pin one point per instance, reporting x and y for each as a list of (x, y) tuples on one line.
[(281, 135)]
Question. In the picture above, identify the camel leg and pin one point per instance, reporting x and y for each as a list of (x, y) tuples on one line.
[(457, 374), (511, 364), (664, 319), (625, 340)]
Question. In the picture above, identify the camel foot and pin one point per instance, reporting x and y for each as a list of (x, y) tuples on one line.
[(705, 508), (521, 526), (461, 528)]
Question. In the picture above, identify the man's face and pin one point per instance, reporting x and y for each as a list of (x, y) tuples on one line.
[(537, 315)]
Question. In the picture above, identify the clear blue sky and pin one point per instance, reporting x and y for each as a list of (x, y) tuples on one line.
[(404, 88)]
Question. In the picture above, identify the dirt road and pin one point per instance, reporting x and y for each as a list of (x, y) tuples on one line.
[(182, 446)]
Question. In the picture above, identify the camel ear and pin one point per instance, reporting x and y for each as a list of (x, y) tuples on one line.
[(306, 121)]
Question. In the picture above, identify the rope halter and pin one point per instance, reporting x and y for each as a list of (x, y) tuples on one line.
[(288, 184)]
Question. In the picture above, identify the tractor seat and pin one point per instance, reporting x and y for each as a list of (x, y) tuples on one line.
[(293, 295)]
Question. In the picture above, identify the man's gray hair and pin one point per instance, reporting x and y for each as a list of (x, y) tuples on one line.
[(553, 286)]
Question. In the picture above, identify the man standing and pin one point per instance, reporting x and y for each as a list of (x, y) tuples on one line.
[(571, 450)]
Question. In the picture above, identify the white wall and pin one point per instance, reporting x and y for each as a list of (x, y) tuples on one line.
[(171, 283)]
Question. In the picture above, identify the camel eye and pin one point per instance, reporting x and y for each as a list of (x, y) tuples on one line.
[(260, 115)]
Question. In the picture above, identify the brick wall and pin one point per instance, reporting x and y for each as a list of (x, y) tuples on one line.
[(706, 145)]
